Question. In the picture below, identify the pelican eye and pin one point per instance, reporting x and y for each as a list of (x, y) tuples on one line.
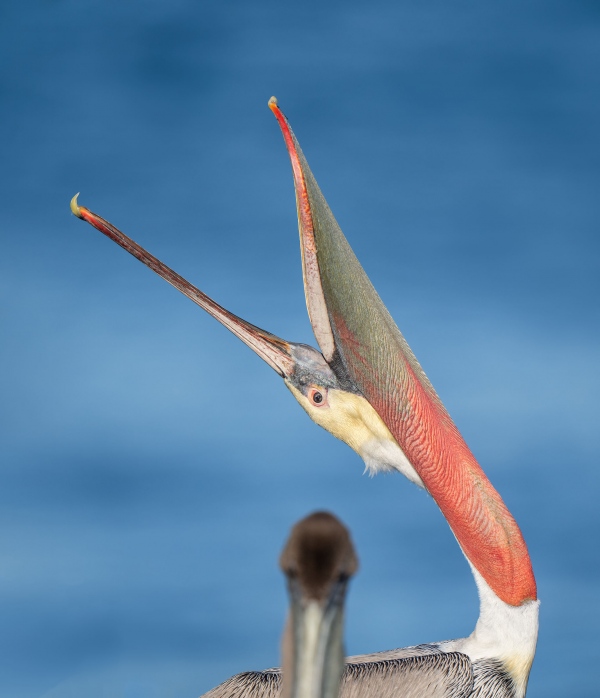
[(317, 397)]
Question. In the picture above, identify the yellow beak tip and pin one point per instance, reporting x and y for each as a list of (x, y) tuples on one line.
[(75, 210)]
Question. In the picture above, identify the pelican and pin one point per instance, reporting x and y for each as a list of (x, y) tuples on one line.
[(367, 388), (318, 560)]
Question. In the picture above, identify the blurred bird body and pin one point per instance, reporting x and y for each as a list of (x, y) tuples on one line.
[(367, 388)]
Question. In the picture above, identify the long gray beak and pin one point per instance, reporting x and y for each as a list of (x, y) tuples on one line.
[(316, 629)]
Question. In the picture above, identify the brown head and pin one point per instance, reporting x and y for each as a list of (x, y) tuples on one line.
[(318, 560), (318, 554)]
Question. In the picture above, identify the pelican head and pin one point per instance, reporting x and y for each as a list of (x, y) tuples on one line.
[(365, 385), (318, 560)]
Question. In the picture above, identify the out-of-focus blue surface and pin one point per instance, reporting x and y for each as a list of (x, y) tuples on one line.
[(151, 466)]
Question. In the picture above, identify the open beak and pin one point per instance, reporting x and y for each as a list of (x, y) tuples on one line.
[(363, 347), (275, 351)]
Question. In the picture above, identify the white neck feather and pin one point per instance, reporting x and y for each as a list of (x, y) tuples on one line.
[(503, 632)]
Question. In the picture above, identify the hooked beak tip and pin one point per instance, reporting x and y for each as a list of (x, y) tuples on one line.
[(75, 209), (272, 103)]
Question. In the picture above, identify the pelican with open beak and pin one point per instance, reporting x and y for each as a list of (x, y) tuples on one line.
[(366, 387)]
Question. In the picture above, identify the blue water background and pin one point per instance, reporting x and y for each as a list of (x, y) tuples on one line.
[(150, 464)]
